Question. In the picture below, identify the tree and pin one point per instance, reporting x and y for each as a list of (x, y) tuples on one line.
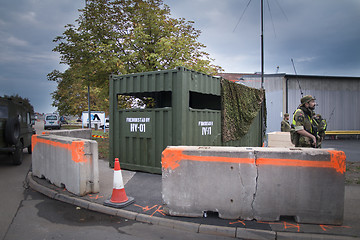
[(71, 94), (126, 36)]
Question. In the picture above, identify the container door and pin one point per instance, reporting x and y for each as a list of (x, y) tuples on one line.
[(143, 135)]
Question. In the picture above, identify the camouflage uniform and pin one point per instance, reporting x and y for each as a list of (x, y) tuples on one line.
[(303, 120), (285, 125), (321, 126)]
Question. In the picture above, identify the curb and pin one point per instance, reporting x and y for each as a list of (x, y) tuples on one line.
[(234, 232)]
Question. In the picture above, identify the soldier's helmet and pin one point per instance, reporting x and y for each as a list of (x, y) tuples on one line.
[(306, 99)]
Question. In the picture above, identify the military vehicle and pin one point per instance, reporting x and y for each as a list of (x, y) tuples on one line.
[(16, 127)]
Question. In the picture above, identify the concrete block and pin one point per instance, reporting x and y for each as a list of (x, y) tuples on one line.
[(246, 233), (217, 230), (200, 179), (102, 209), (147, 219), (279, 139), (126, 214), (40, 188), (180, 225), (84, 133), (67, 162), (310, 236), (64, 198), (307, 184), (81, 203)]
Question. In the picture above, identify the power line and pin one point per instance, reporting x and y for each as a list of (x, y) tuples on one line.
[(297, 78), (272, 21), (242, 15), (282, 10)]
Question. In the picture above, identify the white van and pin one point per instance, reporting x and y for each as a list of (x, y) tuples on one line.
[(52, 121)]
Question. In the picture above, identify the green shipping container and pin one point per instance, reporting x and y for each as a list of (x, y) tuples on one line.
[(186, 111)]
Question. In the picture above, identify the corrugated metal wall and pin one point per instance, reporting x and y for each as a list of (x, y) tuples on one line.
[(338, 99)]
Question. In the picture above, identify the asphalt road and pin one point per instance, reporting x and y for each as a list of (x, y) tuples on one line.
[(351, 147), (27, 214), (12, 190)]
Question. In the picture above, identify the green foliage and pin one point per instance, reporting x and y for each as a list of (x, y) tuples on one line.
[(122, 37), (240, 105), (71, 96)]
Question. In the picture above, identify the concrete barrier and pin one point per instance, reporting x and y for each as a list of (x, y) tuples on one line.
[(66, 162), (84, 133), (254, 183), (200, 179), (304, 183)]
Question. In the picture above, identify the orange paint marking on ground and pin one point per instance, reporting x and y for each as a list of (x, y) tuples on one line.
[(238, 221), (159, 210), (326, 227), (171, 158), (291, 225), (97, 196), (76, 147), (146, 208)]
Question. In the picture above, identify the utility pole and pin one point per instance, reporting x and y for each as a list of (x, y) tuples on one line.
[(89, 111), (262, 43), (262, 73)]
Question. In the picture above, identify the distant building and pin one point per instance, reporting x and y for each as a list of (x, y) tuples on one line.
[(338, 98)]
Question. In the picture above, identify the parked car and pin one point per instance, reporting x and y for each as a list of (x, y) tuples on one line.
[(63, 120), (16, 128), (52, 121)]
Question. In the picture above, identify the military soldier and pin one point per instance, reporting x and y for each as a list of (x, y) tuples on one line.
[(285, 125), (302, 133), (321, 126)]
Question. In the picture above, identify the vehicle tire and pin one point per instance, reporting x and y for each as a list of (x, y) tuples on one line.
[(12, 131), (29, 148), (18, 155)]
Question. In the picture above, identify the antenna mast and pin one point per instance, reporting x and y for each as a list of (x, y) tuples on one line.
[(297, 77), (262, 43)]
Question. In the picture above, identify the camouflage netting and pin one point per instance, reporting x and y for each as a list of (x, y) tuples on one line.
[(240, 105)]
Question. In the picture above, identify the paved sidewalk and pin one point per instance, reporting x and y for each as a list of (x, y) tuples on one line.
[(146, 189)]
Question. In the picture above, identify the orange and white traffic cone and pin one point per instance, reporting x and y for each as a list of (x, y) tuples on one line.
[(118, 198)]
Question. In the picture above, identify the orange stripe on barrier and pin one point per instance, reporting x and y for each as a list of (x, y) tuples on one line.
[(338, 159), (172, 157), (76, 147)]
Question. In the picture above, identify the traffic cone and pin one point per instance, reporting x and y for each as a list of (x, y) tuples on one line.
[(118, 198)]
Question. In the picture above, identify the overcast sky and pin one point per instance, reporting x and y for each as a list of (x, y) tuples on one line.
[(321, 36)]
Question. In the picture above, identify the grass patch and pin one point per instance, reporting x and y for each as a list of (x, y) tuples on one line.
[(352, 174), (70, 127), (103, 143)]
